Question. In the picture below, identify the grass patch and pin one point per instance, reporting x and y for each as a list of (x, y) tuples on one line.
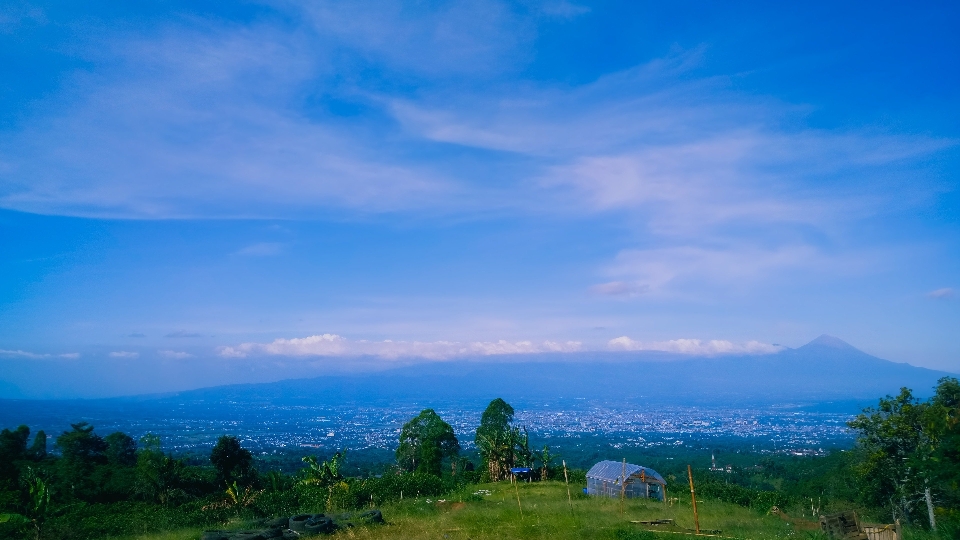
[(547, 515)]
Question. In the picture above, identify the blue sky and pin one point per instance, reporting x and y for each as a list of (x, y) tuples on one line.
[(345, 180)]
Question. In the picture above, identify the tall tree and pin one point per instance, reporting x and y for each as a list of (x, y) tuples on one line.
[(121, 449), (425, 441), (232, 462), (13, 448), (38, 450), (911, 450), (496, 439), (82, 450), (159, 476)]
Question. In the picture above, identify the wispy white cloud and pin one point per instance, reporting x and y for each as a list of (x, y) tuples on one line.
[(208, 119), (620, 289), (202, 123), (939, 294), (177, 355), (693, 347), (335, 345), (124, 354), (27, 354), (652, 270), (261, 249), (183, 334), (475, 37)]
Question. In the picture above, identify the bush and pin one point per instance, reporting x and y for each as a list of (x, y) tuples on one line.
[(743, 496)]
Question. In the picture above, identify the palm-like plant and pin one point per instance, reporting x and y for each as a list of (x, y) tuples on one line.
[(497, 450), (236, 498), (325, 473), (37, 505)]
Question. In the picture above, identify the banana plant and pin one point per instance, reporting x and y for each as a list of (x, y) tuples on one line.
[(323, 474), (37, 506)]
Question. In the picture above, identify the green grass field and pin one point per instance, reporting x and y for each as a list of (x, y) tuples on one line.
[(548, 515)]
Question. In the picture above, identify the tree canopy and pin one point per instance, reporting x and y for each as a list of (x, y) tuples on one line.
[(911, 449), (425, 441), (232, 461)]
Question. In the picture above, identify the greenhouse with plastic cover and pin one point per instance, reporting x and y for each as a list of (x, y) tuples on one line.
[(616, 479)]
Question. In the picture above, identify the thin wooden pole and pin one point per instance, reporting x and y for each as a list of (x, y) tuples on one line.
[(623, 484), (518, 498), (693, 496), (566, 480)]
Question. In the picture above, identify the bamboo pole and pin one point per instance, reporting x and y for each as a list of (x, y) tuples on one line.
[(566, 480), (693, 497), (515, 487), (623, 484)]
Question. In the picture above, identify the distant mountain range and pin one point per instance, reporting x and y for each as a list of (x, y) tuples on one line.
[(825, 370)]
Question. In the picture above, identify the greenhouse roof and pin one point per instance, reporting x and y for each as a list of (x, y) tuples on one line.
[(613, 470)]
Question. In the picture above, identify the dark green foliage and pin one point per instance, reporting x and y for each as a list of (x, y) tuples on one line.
[(501, 445), (908, 447), (324, 473), (121, 449), (82, 445), (96, 521), (762, 500), (425, 441), (496, 417), (13, 449), (159, 477), (82, 450), (13, 444), (38, 450), (232, 462)]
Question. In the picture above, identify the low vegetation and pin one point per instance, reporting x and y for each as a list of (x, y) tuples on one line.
[(906, 467)]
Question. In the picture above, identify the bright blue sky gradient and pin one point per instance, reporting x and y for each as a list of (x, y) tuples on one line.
[(203, 177)]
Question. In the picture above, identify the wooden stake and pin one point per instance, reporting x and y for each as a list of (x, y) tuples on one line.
[(566, 480), (623, 484), (518, 498), (693, 496)]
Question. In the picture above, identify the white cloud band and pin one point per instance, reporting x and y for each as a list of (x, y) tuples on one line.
[(694, 347), (335, 345)]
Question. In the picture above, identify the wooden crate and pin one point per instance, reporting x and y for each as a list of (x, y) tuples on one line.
[(844, 525), (882, 532)]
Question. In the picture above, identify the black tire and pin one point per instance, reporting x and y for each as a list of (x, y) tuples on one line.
[(278, 523), (370, 516), (320, 525), (297, 523)]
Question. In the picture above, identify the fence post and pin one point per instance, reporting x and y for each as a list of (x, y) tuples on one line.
[(693, 496)]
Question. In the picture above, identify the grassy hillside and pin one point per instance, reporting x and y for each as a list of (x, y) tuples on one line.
[(548, 515)]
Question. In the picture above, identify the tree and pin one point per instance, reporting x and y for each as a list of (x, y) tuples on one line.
[(425, 441), (501, 444), (546, 459), (13, 448), (159, 476), (911, 450), (82, 451), (82, 445), (121, 449), (38, 450), (233, 462), (497, 417)]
